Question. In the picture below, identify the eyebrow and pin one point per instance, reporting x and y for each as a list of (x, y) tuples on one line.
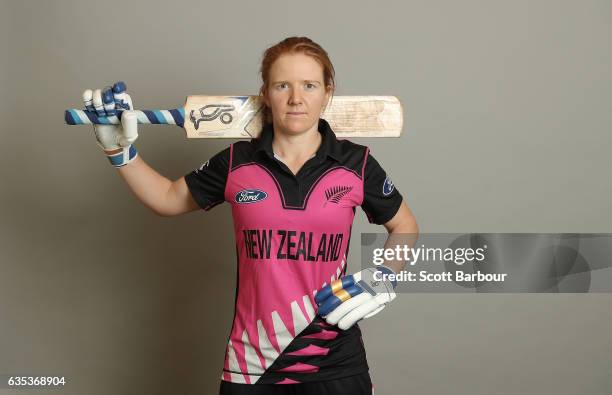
[(278, 82)]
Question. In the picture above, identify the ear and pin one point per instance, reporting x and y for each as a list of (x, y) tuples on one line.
[(264, 99), (328, 94)]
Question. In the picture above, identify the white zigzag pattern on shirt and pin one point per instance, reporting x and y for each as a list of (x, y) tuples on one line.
[(283, 337)]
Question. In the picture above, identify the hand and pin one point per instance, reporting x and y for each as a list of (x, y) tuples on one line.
[(355, 297), (115, 140)]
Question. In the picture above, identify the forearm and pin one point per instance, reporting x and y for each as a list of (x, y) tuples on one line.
[(149, 187), (403, 231), (405, 237)]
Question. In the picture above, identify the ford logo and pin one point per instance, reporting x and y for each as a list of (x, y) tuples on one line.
[(250, 196)]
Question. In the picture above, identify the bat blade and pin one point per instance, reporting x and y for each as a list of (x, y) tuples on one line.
[(365, 116), (242, 116)]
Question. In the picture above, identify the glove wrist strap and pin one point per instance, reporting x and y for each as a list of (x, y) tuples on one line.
[(121, 156)]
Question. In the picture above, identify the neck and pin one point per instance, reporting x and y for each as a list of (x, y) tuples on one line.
[(298, 146)]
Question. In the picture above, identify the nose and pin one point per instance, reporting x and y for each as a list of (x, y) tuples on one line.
[(295, 97)]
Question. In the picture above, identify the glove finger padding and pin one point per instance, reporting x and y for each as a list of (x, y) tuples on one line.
[(345, 307), (122, 99), (88, 100), (375, 311), (354, 297), (359, 313), (97, 102), (328, 290), (108, 101), (340, 296), (129, 132), (366, 309)]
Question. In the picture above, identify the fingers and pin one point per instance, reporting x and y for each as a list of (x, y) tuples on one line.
[(97, 102), (358, 313), (338, 298), (335, 286), (107, 101), (122, 99), (87, 99), (129, 123), (344, 308), (375, 311)]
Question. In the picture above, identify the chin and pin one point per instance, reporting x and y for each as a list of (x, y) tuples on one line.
[(297, 126)]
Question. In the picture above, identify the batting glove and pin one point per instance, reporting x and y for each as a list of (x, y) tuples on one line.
[(115, 140), (355, 297)]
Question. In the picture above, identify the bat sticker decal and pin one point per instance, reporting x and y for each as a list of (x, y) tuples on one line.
[(221, 111)]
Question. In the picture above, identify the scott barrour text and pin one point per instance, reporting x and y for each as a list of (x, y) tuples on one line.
[(424, 276)]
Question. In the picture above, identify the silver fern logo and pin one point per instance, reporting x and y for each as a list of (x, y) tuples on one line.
[(336, 193)]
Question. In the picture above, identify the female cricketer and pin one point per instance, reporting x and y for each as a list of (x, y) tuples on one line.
[(293, 192)]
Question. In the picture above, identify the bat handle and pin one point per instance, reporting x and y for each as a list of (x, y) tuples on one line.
[(158, 117)]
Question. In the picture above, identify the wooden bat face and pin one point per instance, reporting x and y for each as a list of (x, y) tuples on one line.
[(242, 116)]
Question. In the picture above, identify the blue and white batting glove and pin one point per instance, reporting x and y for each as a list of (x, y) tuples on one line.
[(115, 140), (355, 297)]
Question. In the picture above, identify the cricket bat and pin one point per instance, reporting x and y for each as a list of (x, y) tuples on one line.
[(242, 116)]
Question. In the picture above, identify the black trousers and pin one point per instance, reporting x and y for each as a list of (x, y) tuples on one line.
[(360, 384)]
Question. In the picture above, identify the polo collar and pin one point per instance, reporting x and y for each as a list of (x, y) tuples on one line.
[(329, 144)]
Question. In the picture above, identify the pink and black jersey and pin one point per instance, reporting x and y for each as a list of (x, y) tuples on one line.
[(292, 237)]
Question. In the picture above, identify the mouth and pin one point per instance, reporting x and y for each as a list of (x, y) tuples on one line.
[(295, 113)]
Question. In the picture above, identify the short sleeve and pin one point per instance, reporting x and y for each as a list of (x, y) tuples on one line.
[(207, 183), (381, 199)]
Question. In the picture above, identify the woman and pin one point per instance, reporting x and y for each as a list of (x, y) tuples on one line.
[(293, 193)]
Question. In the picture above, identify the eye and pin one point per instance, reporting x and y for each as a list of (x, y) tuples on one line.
[(282, 85), (310, 85)]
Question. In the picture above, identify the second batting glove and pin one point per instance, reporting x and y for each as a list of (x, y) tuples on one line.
[(355, 297)]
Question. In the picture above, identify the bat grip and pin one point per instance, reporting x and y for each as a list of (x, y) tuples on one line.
[(159, 117)]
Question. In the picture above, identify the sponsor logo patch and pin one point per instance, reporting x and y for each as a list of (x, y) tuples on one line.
[(247, 196), (388, 186), (204, 165)]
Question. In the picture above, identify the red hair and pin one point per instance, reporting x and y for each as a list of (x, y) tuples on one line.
[(292, 45)]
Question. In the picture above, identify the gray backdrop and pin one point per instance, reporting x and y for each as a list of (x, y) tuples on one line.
[(507, 129)]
